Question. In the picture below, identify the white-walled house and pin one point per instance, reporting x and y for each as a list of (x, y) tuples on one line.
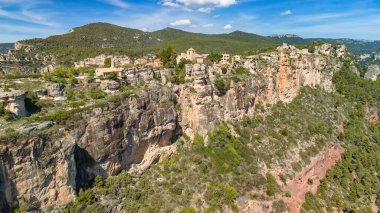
[(192, 55)]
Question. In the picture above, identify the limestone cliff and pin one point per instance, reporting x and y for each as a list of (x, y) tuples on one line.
[(276, 76), (48, 168)]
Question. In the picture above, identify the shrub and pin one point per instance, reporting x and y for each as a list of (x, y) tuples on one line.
[(10, 136), (220, 194), (279, 206), (271, 185), (113, 76), (96, 93), (309, 181), (188, 210), (107, 62), (241, 71), (224, 70), (221, 85)]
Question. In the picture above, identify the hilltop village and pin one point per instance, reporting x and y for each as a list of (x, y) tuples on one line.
[(109, 73)]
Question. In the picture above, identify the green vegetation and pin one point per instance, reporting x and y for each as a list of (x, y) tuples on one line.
[(102, 38), (168, 57), (180, 72), (241, 71), (113, 76), (353, 183), (107, 62), (67, 75), (4, 113), (206, 176), (214, 57), (222, 85), (356, 89)]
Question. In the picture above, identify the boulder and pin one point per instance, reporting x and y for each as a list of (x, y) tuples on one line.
[(109, 85), (56, 91)]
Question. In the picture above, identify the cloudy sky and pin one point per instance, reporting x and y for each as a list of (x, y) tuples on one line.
[(21, 19)]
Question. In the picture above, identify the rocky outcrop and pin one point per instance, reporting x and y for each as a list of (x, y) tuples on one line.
[(47, 169), (109, 85), (373, 71), (276, 76), (56, 91), (14, 101)]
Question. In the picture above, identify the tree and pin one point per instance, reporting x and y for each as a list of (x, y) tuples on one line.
[(107, 63), (113, 76), (214, 57), (183, 62), (221, 85), (168, 57)]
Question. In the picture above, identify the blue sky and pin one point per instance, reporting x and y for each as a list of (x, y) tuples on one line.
[(22, 19)]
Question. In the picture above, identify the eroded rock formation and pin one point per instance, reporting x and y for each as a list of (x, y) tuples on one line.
[(47, 169), (276, 76)]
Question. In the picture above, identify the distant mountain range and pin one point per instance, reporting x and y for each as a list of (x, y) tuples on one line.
[(92, 39), (4, 47)]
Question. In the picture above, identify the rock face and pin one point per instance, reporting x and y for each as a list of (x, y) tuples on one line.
[(373, 71), (48, 169), (14, 102), (56, 91), (109, 85), (276, 76)]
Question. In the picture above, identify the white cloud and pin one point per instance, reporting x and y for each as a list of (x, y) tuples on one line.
[(228, 26), (286, 13), (181, 22), (207, 25), (117, 3), (203, 6), (216, 3), (27, 14), (170, 4), (205, 9), (202, 26)]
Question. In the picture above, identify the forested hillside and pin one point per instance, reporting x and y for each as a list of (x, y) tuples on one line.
[(93, 39)]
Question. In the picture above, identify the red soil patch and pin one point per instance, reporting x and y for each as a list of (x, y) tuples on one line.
[(315, 171)]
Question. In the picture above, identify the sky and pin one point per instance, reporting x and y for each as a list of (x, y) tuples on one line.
[(358, 19)]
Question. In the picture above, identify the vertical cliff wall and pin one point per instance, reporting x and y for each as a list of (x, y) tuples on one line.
[(47, 169), (274, 77)]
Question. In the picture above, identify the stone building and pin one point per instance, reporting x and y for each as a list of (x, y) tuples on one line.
[(192, 55), (107, 71), (225, 58)]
